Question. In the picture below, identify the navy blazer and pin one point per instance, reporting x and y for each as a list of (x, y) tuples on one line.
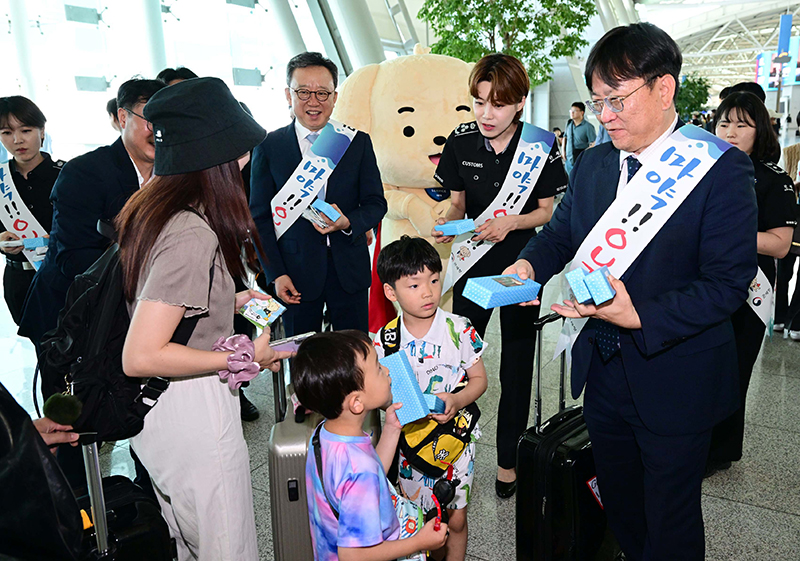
[(355, 186), (92, 186), (681, 365)]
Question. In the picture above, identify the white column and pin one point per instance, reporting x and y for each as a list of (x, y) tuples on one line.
[(292, 38), (19, 29), (154, 32), (358, 32), (633, 15), (541, 106), (621, 12), (607, 16)]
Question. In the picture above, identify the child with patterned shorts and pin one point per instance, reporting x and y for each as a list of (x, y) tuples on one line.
[(354, 512), (445, 352)]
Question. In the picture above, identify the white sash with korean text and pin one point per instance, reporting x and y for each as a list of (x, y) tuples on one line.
[(17, 217), (311, 175), (529, 160), (643, 207)]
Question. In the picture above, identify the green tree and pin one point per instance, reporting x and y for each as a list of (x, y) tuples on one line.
[(535, 31), (692, 95)]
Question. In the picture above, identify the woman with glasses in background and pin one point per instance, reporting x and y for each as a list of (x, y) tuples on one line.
[(743, 120), (33, 174)]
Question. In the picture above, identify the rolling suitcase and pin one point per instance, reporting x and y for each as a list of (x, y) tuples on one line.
[(559, 507), (127, 523), (288, 448)]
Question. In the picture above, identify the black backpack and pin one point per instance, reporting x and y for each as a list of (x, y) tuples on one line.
[(85, 351)]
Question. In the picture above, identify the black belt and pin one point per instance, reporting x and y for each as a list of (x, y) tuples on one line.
[(19, 265)]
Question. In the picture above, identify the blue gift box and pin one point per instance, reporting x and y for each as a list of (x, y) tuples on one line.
[(456, 227), (599, 287), (500, 290), (33, 243), (577, 282), (405, 388), (326, 209), (435, 404)]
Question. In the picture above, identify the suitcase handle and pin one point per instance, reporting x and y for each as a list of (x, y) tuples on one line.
[(541, 322), (279, 377), (562, 400)]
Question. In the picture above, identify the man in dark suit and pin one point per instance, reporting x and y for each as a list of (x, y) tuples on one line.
[(91, 187), (313, 266), (670, 375)]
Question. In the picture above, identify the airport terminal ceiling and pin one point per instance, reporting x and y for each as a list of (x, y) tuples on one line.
[(722, 40)]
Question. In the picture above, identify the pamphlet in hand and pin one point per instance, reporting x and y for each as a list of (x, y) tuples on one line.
[(262, 313), (315, 217)]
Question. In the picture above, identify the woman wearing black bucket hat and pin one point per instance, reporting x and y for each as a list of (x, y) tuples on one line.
[(181, 240)]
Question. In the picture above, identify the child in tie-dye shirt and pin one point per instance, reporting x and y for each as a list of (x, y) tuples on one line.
[(353, 509)]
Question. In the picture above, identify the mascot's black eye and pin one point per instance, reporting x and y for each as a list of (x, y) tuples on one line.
[(408, 131)]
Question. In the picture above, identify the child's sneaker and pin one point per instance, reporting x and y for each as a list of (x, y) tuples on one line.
[(778, 327), (795, 335)]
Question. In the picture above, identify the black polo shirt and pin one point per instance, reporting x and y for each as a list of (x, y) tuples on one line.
[(35, 191), (469, 164), (777, 206)]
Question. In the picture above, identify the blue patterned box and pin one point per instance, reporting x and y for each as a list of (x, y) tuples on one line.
[(598, 285), (500, 290), (577, 282), (456, 227), (405, 388), (326, 209), (33, 243), (435, 404)]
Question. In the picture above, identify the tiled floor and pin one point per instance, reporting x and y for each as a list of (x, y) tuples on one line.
[(752, 511)]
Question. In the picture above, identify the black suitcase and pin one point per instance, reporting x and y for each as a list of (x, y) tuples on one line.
[(559, 508), (127, 523)]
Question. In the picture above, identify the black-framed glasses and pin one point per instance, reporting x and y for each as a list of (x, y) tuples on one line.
[(304, 95), (614, 102), (132, 112)]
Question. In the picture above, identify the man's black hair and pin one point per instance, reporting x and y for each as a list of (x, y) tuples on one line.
[(407, 256), (111, 107), (137, 90), (580, 105), (181, 73), (751, 87), (639, 50), (24, 110), (325, 370), (723, 93), (310, 58), (752, 110)]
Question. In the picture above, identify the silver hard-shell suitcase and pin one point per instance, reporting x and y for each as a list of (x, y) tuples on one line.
[(288, 447)]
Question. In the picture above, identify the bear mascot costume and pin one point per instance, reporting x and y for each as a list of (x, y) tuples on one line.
[(409, 106)]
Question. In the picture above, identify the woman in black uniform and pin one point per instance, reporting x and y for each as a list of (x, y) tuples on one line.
[(474, 164), (33, 173), (743, 120)]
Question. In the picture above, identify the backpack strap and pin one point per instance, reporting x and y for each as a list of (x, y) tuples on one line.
[(390, 337), (318, 458), (156, 385)]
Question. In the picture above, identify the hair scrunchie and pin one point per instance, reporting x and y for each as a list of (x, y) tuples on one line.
[(241, 365)]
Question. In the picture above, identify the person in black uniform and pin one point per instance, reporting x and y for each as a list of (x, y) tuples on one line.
[(33, 172), (743, 120), (474, 164)]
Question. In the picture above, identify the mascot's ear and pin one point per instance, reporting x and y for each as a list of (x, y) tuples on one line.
[(420, 50), (353, 106)]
